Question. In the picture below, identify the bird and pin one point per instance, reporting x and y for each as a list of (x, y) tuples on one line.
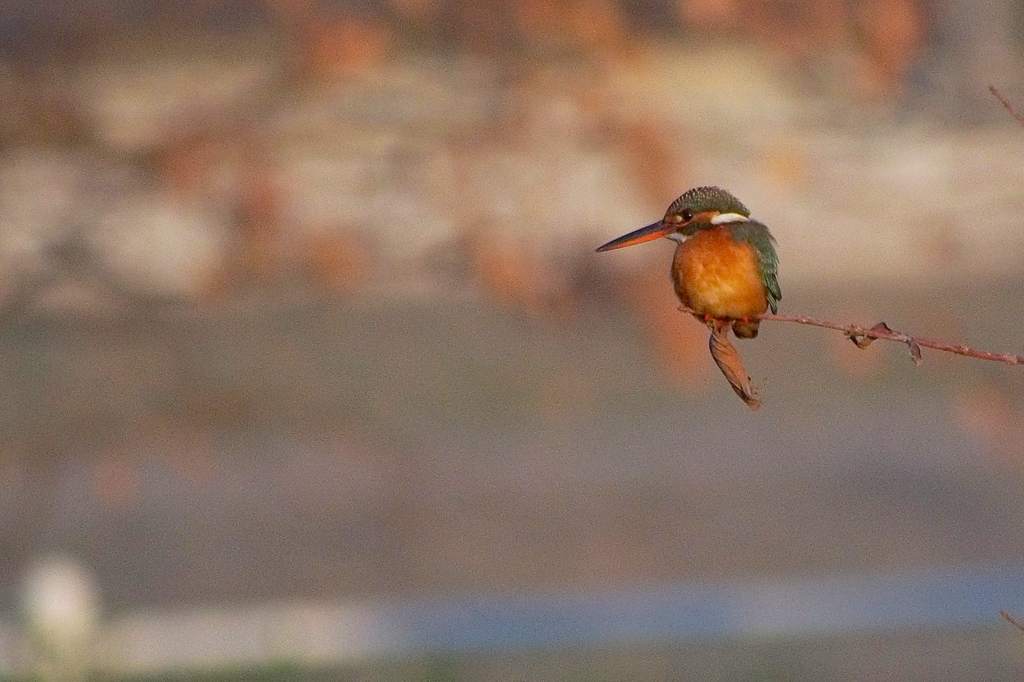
[(725, 268)]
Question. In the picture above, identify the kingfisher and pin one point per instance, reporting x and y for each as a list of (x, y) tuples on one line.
[(725, 267)]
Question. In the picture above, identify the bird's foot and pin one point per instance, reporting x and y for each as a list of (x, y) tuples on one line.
[(715, 323)]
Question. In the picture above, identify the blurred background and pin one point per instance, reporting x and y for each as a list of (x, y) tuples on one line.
[(308, 368)]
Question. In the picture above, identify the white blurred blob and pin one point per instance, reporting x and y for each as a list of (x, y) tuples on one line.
[(37, 193), (160, 246), (61, 608)]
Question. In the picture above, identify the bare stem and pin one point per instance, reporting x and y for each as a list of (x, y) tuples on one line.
[(1011, 620), (863, 336), (1006, 103)]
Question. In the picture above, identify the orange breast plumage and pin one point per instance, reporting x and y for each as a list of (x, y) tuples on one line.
[(718, 276)]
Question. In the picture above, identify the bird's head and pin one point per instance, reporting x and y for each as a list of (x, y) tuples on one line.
[(696, 209)]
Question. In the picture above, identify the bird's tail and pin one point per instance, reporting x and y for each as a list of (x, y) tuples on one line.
[(745, 330), (728, 360)]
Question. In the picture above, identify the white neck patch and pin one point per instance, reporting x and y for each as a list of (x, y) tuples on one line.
[(724, 218)]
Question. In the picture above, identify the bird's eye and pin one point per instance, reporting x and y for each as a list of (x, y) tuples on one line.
[(687, 215)]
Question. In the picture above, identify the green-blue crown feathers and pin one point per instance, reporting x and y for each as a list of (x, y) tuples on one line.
[(700, 199)]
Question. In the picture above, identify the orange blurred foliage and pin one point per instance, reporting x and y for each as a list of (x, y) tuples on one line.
[(992, 416), (679, 342), (891, 37), (337, 261), (597, 26), (347, 45), (116, 482), (885, 37), (514, 275)]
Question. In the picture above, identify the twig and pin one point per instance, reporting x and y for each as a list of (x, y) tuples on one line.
[(1006, 103), (863, 337), (1011, 620)]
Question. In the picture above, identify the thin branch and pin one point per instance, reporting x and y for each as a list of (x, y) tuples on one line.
[(863, 337), (1006, 103), (1011, 620)]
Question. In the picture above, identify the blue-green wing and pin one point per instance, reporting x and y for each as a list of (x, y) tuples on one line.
[(758, 236)]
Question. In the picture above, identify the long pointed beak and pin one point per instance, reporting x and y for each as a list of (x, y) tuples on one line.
[(644, 234)]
